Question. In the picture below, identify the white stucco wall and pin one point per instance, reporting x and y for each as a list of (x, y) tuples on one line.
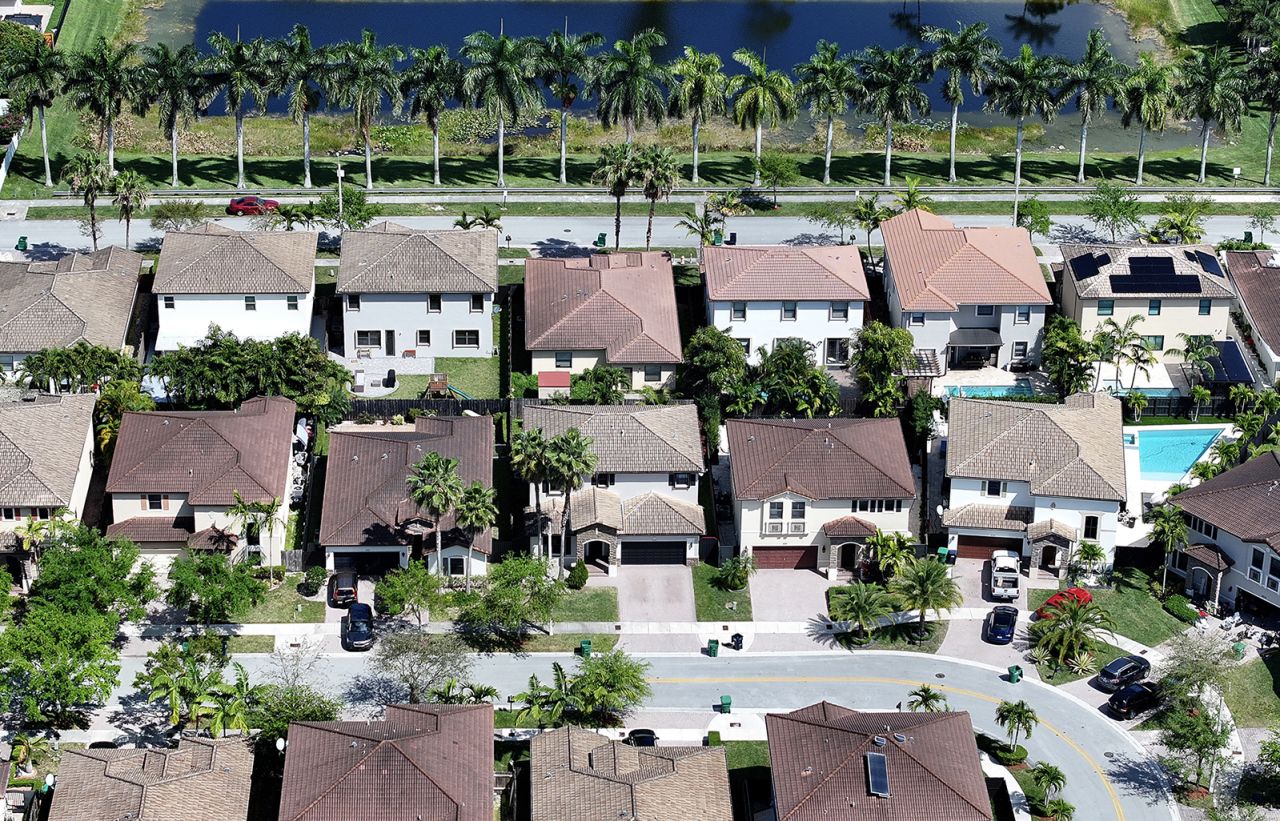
[(406, 314), (1070, 511), (630, 485), (189, 319), (764, 323), (586, 359), (750, 516), (1177, 316), (1237, 576)]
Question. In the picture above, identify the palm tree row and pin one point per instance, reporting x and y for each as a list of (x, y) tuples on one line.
[(506, 76)]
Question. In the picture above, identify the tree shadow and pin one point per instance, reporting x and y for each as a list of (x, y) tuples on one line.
[(560, 249), (1075, 234), (811, 239), (140, 719), (1142, 777), (370, 694)]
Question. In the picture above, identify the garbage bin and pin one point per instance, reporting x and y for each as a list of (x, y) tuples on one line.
[(736, 639), (1238, 650), (22, 244), (1248, 237), (713, 648), (1015, 674), (584, 648), (726, 704)]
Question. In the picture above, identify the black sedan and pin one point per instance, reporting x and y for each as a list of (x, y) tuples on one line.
[(1001, 623), (1122, 672), (1134, 699)]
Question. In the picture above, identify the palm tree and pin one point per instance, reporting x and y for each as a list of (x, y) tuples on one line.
[(1264, 78), (300, 71), (827, 84), (547, 704), (1017, 719), (1021, 87), (629, 83), (1094, 80), (229, 703), (291, 215), (1048, 778), (36, 73), (1214, 90), (926, 699), (967, 55), (912, 198), (869, 213), (1125, 344), (476, 513), (239, 69), (434, 486), (529, 462), (699, 89), (616, 171), (100, 81), (1242, 396), (89, 175), (562, 58), (1138, 402), (1072, 629), (1200, 397), (501, 78), (569, 459), (179, 89), (1148, 97), (658, 174), (703, 226), (364, 73), (1197, 352), (432, 80), (131, 192), (1091, 554), (862, 605), (1059, 809), (893, 79), (762, 98), (27, 750), (925, 585), (890, 551)]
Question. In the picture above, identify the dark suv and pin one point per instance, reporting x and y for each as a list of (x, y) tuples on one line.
[(1122, 672), (342, 588), (1134, 699), (357, 627)]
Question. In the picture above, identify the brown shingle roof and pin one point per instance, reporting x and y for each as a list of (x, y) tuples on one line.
[(1074, 450), (432, 762), (1089, 269), (208, 455), (936, 266), (578, 775), (41, 445), (55, 304), (203, 779), (213, 259), (1244, 501), (628, 438), (819, 459), (622, 304), (819, 767), (1257, 278), (654, 514), (365, 498), (390, 258), (784, 272)]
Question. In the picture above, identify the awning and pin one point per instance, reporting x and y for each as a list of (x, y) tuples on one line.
[(1229, 366), (974, 338), (1211, 556)]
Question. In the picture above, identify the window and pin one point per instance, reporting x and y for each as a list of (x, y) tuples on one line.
[(680, 480), (466, 339), (653, 373), (994, 488), (877, 505), (1206, 305), (251, 303), (1022, 315), (738, 311), (839, 311), (42, 514), (1153, 308), (915, 319), (6, 363), (550, 490), (1019, 350), (797, 510), (985, 310), (1154, 343), (1091, 528), (477, 303), (1273, 573), (353, 302), (155, 501), (788, 311), (1201, 526), (433, 303), (1106, 307), (604, 480), (291, 302), (368, 339), (9, 514), (555, 545), (746, 345), (837, 351), (424, 339), (168, 303), (455, 566), (564, 359), (1255, 566), (775, 510)]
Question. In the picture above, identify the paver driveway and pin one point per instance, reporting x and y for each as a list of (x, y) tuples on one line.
[(655, 593), (788, 595)]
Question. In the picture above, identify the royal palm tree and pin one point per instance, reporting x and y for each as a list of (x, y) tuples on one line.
[(629, 82), (827, 84), (477, 511), (926, 699), (432, 80), (893, 79), (301, 72), (966, 55), (699, 90), (1071, 630), (88, 175), (1017, 719), (1048, 778), (179, 90), (862, 605), (1168, 533), (570, 459), (100, 81), (1147, 98), (130, 192), (434, 486), (1197, 353), (529, 462), (1214, 90), (563, 60), (925, 585), (501, 78), (658, 174), (240, 69), (1021, 87), (762, 97), (869, 213), (1094, 80), (35, 73), (1264, 79), (616, 171), (363, 74)]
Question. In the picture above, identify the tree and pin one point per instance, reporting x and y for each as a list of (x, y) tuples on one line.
[(926, 699), (83, 571), (177, 215), (363, 74), (421, 662), (1138, 402), (629, 82), (1025, 86), (863, 605), (29, 751), (1197, 353), (131, 192), (434, 486), (1060, 809), (240, 69), (869, 213), (616, 171), (1050, 779), (485, 219), (891, 552), (228, 707), (564, 58), (476, 512), (300, 71), (100, 81), (569, 459), (1090, 555), (1094, 80), (179, 90), (1214, 89), (912, 197), (966, 55), (1071, 629), (924, 585), (185, 676), (827, 83), (454, 691), (763, 97), (1035, 217), (658, 174), (699, 90), (893, 80), (1113, 207), (1263, 218), (55, 662), (289, 215), (833, 216), (79, 368), (1148, 97), (34, 73), (1067, 356), (790, 383), (714, 363), (1242, 396), (879, 356), (352, 212), (520, 593), (1182, 221), (1200, 397), (599, 385), (501, 79), (608, 686), (276, 706), (211, 588), (1194, 662), (548, 704), (528, 457), (89, 175), (1264, 78), (412, 591), (1194, 738), (776, 170), (1017, 719), (1168, 532)]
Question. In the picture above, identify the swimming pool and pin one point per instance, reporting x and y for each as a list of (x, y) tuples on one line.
[(1168, 453), (1020, 388)]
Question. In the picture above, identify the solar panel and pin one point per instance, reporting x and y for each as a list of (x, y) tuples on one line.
[(878, 774), (1151, 265), (1084, 266), (1154, 284), (1209, 263)]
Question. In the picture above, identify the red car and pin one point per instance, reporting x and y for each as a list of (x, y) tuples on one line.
[(251, 206), (1076, 593)]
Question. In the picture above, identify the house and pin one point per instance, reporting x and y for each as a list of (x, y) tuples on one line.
[(254, 284), (176, 475), (1032, 478), (1234, 533), (758, 295), (808, 492), (1256, 278), (81, 297), (641, 506), (969, 296), (832, 762), (426, 762), (608, 309), (1172, 289), (369, 522), (46, 450), (202, 779), (408, 293), (580, 775)]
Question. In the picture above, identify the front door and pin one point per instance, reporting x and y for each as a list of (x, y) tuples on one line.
[(391, 342), (838, 351)]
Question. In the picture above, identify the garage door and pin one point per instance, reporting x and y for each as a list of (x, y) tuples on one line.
[(787, 558), (653, 552), (367, 563), (980, 547)]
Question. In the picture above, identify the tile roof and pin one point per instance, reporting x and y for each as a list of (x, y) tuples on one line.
[(648, 514), (989, 517), (392, 259), (849, 527), (1244, 501), (365, 498), (1105, 271), (145, 529), (819, 459), (578, 775), (818, 759), (1256, 275), (208, 455), (1209, 555), (784, 272), (1051, 527), (203, 779), (213, 259), (936, 266), (41, 445), (55, 304), (1075, 449), (422, 762), (628, 438), (622, 304)]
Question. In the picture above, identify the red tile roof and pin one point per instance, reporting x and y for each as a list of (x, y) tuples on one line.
[(784, 272)]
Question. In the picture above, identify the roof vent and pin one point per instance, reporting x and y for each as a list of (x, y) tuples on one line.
[(879, 741), (384, 455), (806, 772), (355, 457), (900, 738)]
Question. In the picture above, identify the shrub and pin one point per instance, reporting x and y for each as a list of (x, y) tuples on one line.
[(1009, 756), (713, 739), (10, 124), (397, 420), (1241, 245), (313, 580), (269, 571), (577, 578), (736, 572), (1181, 609)]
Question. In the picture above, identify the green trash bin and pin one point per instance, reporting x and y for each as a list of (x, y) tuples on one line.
[(1238, 650), (726, 704), (713, 648), (22, 244), (584, 648), (1248, 237), (1015, 674)]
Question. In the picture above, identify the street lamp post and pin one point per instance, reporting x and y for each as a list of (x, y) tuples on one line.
[(341, 174)]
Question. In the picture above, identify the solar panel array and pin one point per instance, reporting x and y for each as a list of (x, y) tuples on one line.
[(1209, 263), (1151, 266), (1088, 265), (878, 774), (1154, 284)]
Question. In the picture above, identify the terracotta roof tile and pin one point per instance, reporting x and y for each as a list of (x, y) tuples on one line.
[(989, 517), (144, 529), (213, 259), (654, 514), (628, 438), (849, 527), (390, 258), (1257, 277), (1244, 501), (56, 304), (784, 272)]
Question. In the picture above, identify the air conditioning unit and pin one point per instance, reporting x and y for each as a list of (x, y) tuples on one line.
[(773, 528), (796, 527)]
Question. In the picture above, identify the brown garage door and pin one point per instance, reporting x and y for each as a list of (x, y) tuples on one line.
[(787, 558), (980, 547)]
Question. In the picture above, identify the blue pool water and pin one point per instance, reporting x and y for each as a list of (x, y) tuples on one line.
[(1021, 388), (1168, 454)]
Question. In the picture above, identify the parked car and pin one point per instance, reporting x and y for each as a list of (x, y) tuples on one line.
[(1077, 593), (1123, 671), (1135, 699), (642, 738), (251, 206), (1001, 623), (1005, 569), (343, 588), (357, 627)]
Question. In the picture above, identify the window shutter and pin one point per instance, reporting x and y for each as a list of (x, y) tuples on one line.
[(164, 502), (143, 498)]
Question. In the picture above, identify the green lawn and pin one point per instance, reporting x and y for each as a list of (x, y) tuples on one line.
[(1253, 693), (281, 606), (568, 643), (409, 386), (902, 637), (251, 644), (710, 600), (588, 604), (1136, 613), (1180, 420), (742, 754), (477, 377), (1104, 653)]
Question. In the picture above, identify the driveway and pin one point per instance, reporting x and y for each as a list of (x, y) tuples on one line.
[(655, 593), (971, 576), (364, 592), (788, 595), (964, 641)]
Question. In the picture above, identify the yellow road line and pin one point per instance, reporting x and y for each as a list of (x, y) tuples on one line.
[(1111, 790)]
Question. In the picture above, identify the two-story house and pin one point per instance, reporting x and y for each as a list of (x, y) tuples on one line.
[(808, 492), (607, 309), (81, 297), (368, 521), (641, 505), (761, 294), (254, 284), (1255, 276), (408, 293), (969, 296), (1032, 478), (178, 477)]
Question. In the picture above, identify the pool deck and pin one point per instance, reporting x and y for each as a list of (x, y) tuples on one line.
[(989, 377), (1137, 486)]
